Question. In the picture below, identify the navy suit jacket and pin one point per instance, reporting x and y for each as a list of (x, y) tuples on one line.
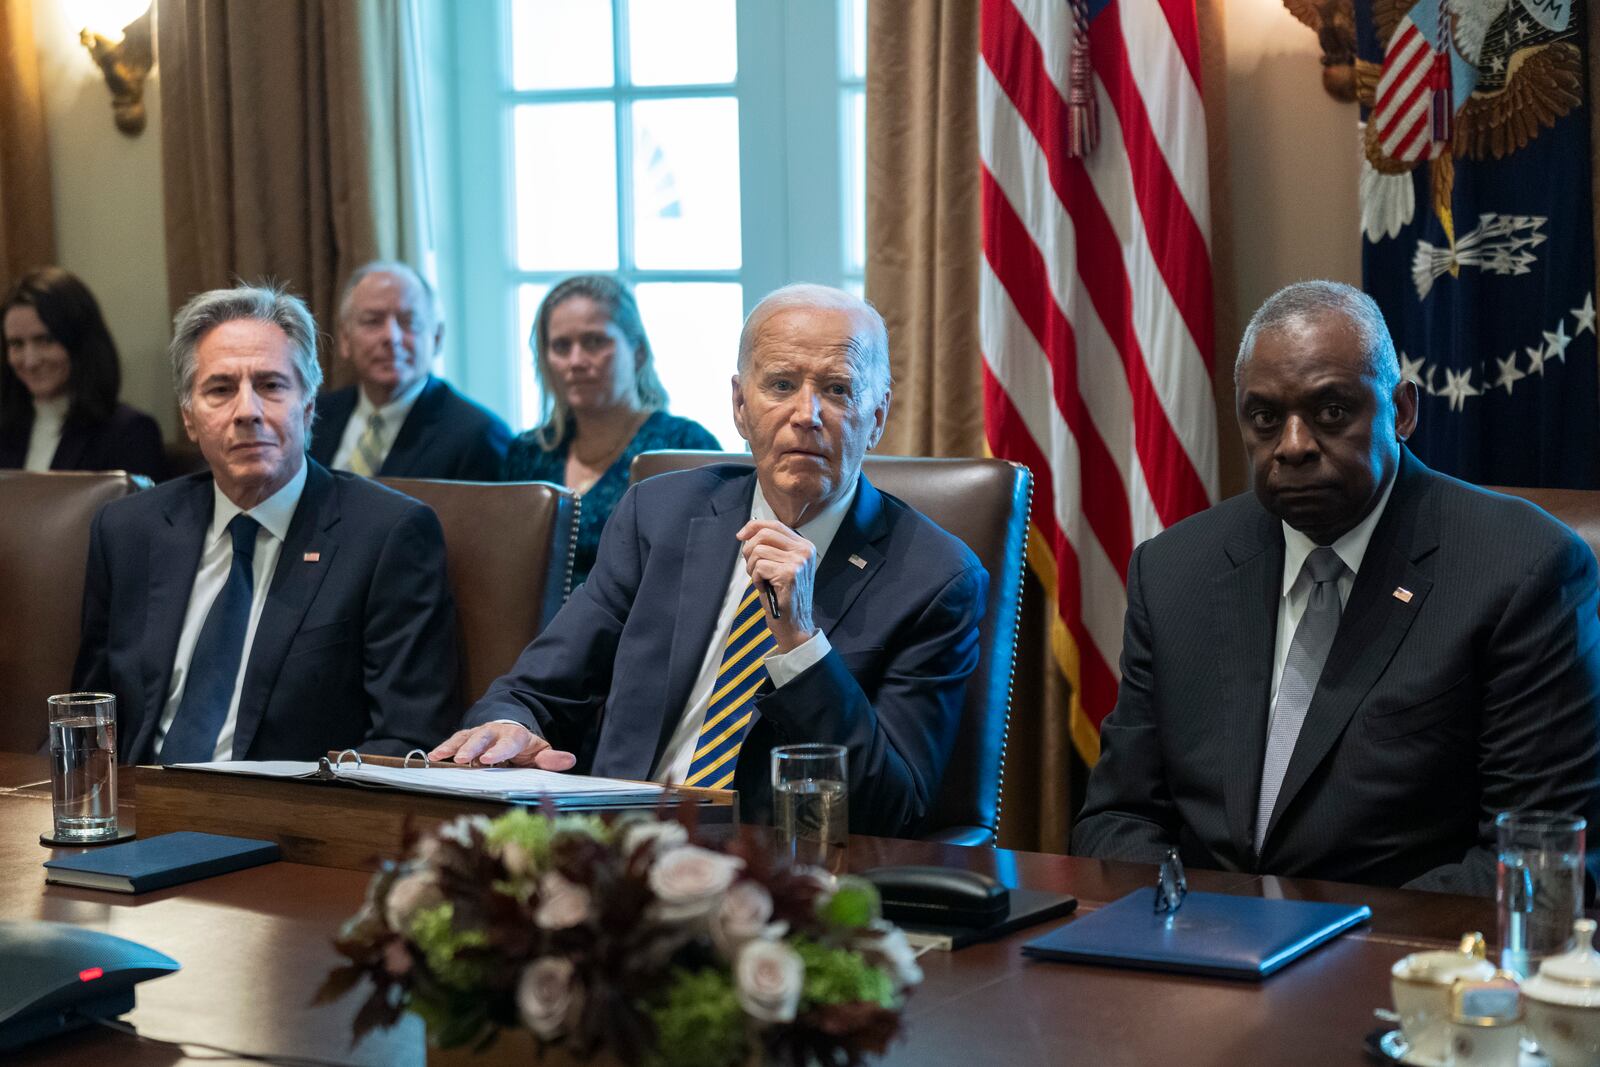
[(354, 649), (1477, 693), (128, 441), (445, 435), (611, 675)]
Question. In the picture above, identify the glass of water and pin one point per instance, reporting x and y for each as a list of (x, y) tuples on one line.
[(811, 803), (83, 766), (1538, 885)]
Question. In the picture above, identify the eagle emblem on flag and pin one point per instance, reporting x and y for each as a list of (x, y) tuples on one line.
[(1475, 112)]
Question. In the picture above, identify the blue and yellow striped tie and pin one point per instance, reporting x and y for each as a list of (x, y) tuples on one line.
[(731, 711)]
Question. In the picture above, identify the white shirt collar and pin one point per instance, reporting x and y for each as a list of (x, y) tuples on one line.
[(396, 410), (274, 513), (821, 529), (1351, 548), (53, 410)]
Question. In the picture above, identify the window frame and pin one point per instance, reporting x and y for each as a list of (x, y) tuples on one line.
[(793, 89)]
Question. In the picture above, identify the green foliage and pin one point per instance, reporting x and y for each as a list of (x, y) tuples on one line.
[(840, 976), (852, 906), (534, 831), (433, 930), (698, 1022)]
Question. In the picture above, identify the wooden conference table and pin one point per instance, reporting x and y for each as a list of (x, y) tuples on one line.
[(255, 945)]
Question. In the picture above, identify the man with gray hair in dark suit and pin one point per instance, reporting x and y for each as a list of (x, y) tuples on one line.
[(400, 420), (1349, 673), (264, 608)]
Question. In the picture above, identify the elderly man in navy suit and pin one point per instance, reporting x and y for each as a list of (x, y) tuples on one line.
[(265, 608), (1349, 672), (731, 609), (398, 420)]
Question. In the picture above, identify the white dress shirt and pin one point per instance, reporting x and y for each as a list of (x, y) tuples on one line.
[(782, 667), (394, 416), (1351, 549), (48, 418), (216, 559)]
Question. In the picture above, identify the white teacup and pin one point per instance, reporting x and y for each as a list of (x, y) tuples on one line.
[(1421, 986)]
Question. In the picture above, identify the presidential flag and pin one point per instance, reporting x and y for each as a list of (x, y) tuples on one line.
[(1477, 238), (1096, 314)]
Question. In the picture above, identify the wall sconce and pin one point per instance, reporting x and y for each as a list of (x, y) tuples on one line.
[(125, 65)]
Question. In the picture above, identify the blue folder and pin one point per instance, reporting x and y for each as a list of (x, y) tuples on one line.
[(159, 862), (1213, 933)]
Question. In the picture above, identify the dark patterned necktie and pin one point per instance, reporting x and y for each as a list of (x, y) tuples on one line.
[(214, 666)]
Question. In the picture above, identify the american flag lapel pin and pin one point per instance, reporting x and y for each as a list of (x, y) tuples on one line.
[(1402, 594), (316, 557), (859, 563)]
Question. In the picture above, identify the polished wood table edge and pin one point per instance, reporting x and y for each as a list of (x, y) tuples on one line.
[(986, 1003)]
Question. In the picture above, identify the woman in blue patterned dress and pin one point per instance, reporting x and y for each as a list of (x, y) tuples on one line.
[(603, 403)]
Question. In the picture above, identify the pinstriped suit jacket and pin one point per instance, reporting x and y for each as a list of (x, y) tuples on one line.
[(1479, 694)]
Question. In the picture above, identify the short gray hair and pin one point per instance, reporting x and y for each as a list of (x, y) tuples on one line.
[(386, 266), (1306, 300), (875, 354), (262, 303)]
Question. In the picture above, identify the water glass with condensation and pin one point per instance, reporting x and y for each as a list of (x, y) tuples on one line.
[(1538, 885), (83, 766), (811, 803)]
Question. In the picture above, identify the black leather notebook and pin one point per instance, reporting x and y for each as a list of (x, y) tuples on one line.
[(1213, 933)]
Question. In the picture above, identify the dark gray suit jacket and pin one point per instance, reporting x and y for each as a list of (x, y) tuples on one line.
[(445, 435), (1480, 693), (354, 649), (611, 674)]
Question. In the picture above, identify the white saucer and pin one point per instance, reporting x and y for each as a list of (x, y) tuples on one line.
[(1393, 1046)]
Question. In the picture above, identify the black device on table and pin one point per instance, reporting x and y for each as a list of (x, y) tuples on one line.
[(59, 977), (959, 905)]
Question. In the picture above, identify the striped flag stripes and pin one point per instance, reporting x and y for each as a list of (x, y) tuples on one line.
[(1096, 314)]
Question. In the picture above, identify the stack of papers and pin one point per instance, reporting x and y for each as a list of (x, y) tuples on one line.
[(511, 784)]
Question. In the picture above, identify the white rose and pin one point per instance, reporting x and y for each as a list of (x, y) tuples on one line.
[(885, 945), (460, 830), (767, 979), (562, 904), (410, 893), (744, 913), (518, 861), (688, 881), (663, 835), (547, 996)]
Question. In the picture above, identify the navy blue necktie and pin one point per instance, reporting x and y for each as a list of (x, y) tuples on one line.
[(214, 666)]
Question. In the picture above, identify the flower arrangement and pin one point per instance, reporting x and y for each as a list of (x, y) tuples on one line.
[(628, 937)]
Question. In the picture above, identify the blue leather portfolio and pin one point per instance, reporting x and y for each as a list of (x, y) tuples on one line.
[(157, 862), (1213, 933)]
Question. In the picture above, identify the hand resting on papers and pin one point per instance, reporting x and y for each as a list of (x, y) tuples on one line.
[(502, 742)]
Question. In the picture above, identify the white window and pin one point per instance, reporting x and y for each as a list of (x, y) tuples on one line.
[(706, 151)]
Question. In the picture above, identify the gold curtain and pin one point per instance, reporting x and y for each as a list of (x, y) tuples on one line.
[(27, 219), (288, 141), (923, 226), (923, 256)]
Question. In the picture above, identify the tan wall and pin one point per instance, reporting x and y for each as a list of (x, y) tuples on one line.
[(107, 190), (1295, 160)]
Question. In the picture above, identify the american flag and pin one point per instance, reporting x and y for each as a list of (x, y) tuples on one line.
[(1096, 319)]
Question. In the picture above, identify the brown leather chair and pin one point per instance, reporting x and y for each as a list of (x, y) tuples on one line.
[(1578, 508), (44, 544), (509, 548), (985, 503)]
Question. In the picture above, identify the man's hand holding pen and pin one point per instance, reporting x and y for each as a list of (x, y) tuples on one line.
[(784, 567)]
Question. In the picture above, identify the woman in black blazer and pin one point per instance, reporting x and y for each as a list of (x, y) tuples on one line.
[(59, 383)]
